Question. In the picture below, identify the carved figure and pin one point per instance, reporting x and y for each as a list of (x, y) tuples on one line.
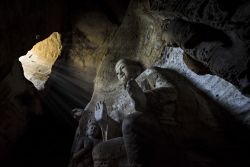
[(142, 135), (83, 158), (173, 124)]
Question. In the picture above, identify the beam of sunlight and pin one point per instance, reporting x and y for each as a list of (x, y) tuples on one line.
[(66, 90)]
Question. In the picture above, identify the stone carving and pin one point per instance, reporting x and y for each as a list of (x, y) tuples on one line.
[(110, 153), (207, 12), (76, 113), (220, 51), (171, 119), (142, 134), (82, 157)]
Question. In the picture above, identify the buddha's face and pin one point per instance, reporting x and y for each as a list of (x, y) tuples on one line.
[(126, 71), (122, 72), (93, 130)]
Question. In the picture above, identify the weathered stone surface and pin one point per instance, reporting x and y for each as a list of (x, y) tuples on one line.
[(217, 88), (195, 66), (148, 50), (129, 41), (209, 12), (91, 34), (222, 52), (207, 23)]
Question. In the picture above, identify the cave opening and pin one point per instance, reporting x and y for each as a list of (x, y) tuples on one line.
[(38, 62), (60, 92)]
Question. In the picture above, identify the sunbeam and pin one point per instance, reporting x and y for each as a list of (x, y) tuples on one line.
[(66, 90)]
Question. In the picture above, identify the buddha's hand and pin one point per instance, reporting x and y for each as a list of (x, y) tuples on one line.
[(101, 116), (137, 95)]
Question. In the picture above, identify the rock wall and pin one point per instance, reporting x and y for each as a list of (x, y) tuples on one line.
[(203, 29), (213, 33), (142, 37), (219, 90), (129, 41), (91, 34)]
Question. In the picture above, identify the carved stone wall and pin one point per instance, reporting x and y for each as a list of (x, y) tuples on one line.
[(213, 33)]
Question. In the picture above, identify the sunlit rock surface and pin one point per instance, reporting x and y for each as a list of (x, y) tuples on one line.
[(217, 88), (37, 63)]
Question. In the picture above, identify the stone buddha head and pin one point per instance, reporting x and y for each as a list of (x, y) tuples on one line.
[(127, 69), (93, 129)]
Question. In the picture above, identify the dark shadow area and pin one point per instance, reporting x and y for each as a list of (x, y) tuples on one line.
[(48, 138), (47, 142), (236, 149)]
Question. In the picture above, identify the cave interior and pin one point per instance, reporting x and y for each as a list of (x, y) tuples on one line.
[(58, 58)]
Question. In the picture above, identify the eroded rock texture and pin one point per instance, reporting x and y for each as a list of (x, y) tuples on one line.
[(91, 34), (206, 34), (212, 33), (131, 42)]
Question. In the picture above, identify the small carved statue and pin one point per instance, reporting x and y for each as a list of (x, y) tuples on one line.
[(76, 113), (83, 157)]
